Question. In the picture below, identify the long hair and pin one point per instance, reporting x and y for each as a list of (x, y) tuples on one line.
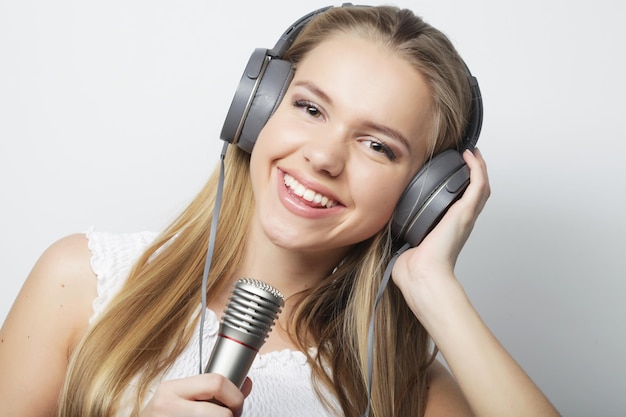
[(337, 315), (148, 324)]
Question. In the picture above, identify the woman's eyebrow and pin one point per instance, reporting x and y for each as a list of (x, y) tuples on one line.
[(388, 131), (315, 90)]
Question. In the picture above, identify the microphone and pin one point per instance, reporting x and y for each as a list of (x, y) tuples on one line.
[(252, 308)]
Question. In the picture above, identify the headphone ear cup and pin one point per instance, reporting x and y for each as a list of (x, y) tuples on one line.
[(261, 88), (270, 92), (439, 183)]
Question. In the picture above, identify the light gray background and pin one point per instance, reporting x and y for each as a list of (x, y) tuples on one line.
[(110, 114)]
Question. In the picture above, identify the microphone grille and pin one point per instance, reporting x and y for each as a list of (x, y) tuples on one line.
[(253, 307), (263, 287)]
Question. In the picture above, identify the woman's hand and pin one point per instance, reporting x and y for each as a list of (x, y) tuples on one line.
[(199, 395), (419, 270)]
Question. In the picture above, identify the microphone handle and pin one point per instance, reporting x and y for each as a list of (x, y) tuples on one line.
[(231, 357)]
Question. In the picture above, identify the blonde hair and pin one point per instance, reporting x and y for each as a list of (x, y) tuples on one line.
[(148, 324)]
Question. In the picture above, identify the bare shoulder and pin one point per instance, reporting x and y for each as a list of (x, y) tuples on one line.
[(61, 284), (46, 321), (444, 395)]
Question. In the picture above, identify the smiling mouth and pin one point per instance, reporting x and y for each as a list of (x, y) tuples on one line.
[(308, 194)]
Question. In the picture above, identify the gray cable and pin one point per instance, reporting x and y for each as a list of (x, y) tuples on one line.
[(370, 333), (209, 257)]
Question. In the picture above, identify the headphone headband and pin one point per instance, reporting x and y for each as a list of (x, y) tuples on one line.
[(292, 32), (248, 90), (472, 131)]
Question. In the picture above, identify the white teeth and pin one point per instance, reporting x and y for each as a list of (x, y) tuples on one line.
[(307, 194), (299, 190)]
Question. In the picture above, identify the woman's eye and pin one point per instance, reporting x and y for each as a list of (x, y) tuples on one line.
[(308, 107), (381, 147)]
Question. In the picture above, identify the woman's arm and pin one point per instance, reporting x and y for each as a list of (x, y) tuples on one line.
[(490, 379), (44, 325)]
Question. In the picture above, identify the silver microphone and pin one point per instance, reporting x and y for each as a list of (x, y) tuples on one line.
[(252, 308)]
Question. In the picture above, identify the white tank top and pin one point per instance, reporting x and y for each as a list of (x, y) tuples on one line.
[(281, 380)]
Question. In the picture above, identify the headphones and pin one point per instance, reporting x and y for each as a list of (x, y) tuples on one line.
[(441, 181)]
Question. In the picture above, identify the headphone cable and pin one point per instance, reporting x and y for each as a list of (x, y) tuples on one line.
[(370, 334), (211, 248)]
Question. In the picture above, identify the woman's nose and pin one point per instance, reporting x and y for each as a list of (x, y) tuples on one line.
[(326, 153)]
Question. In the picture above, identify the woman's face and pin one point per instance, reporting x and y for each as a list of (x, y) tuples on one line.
[(331, 163)]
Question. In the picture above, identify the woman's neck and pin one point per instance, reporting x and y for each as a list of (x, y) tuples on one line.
[(290, 272)]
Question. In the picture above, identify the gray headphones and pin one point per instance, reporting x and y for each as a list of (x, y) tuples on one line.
[(440, 182)]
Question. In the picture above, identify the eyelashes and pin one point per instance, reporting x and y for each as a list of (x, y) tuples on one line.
[(380, 147), (309, 108), (377, 145)]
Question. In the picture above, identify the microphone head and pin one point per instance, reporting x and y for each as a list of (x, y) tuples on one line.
[(251, 311)]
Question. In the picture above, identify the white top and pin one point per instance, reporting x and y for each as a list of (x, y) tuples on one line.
[(281, 380)]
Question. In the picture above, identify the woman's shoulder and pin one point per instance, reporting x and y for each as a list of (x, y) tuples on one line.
[(62, 277), (53, 310), (64, 266), (72, 275), (46, 321)]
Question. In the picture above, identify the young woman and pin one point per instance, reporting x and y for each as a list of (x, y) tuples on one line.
[(108, 325)]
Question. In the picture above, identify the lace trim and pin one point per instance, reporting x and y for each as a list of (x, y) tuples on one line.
[(99, 267), (112, 257)]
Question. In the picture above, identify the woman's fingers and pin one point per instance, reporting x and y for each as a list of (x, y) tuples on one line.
[(458, 222), (479, 189), (246, 387), (199, 395)]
